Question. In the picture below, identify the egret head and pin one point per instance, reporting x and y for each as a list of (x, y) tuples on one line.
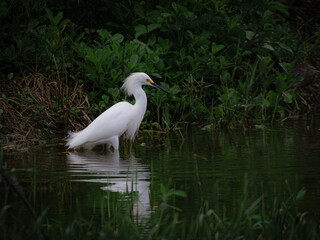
[(136, 80)]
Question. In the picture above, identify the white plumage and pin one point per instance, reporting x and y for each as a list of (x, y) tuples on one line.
[(121, 118)]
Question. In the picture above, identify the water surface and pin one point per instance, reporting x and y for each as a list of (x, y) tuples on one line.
[(219, 168)]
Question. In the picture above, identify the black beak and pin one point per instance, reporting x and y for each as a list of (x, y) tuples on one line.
[(157, 86)]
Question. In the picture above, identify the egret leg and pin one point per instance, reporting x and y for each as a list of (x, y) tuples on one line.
[(89, 146), (114, 142)]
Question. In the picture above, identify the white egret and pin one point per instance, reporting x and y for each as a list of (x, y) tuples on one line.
[(122, 118)]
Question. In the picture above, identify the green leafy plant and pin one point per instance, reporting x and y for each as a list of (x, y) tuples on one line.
[(225, 62)]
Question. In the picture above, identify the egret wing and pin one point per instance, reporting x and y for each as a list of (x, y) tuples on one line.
[(112, 122)]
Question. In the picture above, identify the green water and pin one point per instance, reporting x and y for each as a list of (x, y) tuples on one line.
[(213, 167)]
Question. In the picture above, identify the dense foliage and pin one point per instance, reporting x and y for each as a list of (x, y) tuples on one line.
[(224, 62)]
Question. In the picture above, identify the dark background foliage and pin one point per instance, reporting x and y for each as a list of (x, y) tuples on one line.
[(224, 61)]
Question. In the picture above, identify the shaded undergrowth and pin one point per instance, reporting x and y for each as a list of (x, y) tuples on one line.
[(36, 108)]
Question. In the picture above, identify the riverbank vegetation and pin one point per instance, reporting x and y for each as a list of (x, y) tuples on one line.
[(224, 62)]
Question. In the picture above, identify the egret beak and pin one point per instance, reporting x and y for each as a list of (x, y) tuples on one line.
[(157, 86)]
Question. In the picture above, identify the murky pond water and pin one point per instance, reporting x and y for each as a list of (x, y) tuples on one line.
[(218, 168)]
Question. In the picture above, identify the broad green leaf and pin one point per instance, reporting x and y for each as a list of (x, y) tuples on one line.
[(49, 15), (114, 92), (301, 193), (249, 35), (157, 75), (153, 26), (265, 103), (133, 61), (140, 30), (180, 193), (57, 18), (216, 48), (118, 38), (280, 7), (287, 97), (286, 47), (10, 76), (268, 46)]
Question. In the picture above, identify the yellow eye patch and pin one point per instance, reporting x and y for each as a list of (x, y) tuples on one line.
[(149, 81)]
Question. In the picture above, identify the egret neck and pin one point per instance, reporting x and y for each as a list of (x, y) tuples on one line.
[(140, 107)]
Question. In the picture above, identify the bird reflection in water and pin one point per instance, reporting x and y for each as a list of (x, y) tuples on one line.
[(117, 173)]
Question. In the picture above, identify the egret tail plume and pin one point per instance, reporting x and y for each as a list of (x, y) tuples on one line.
[(73, 140)]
